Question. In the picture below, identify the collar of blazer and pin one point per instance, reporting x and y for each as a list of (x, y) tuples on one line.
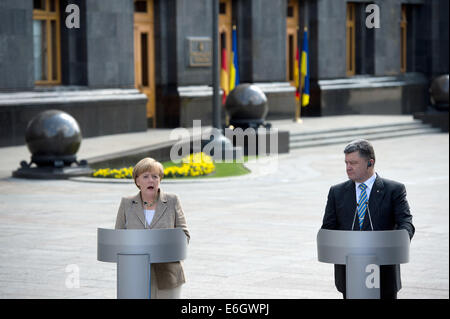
[(138, 208)]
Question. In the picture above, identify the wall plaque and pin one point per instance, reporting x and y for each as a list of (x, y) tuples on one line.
[(200, 51)]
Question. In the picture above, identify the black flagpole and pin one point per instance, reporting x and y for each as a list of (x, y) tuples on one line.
[(216, 75)]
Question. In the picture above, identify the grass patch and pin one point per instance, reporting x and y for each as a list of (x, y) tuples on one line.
[(194, 166), (222, 170)]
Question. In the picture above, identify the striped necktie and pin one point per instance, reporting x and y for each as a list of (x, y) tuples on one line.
[(362, 204)]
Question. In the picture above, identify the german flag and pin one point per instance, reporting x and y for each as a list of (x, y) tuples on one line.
[(224, 82), (296, 77)]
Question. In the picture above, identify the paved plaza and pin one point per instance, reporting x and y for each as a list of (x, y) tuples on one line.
[(252, 236)]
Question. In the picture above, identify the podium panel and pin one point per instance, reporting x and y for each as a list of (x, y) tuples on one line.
[(363, 252), (134, 250), (357, 276), (164, 245), (391, 246), (130, 286)]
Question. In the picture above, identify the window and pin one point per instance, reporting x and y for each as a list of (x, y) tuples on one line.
[(290, 11), (291, 57), (140, 6), (292, 26), (350, 43), (403, 38), (46, 42), (144, 55), (222, 8), (144, 60), (360, 43)]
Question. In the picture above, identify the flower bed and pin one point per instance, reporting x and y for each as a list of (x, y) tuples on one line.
[(126, 172), (193, 165)]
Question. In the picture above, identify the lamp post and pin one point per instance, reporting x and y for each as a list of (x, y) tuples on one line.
[(219, 147)]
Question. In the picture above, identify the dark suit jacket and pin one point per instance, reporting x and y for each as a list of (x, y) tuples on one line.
[(389, 210)]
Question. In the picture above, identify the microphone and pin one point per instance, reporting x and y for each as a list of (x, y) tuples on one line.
[(368, 211), (354, 217)]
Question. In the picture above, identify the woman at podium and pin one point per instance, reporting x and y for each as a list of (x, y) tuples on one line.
[(152, 208)]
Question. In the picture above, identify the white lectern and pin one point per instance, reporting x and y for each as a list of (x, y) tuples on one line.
[(362, 252), (134, 250)]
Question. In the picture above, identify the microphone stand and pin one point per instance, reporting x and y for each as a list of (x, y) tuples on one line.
[(354, 217), (368, 211)]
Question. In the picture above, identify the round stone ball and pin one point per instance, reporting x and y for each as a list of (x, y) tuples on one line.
[(247, 101), (53, 133), (439, 90)]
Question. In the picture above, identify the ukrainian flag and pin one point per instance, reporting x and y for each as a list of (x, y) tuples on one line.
[(304, 70), (234, 69)]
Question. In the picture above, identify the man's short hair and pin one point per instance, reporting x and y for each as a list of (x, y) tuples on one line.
[(364, 148)]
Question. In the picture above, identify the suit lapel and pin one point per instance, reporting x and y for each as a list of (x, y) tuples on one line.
[(137, 208), (376, 196), (160, 209), (350, 203)]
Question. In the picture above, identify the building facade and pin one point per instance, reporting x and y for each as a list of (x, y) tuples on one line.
[(125, 65)]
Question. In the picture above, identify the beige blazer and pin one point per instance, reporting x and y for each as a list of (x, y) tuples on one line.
[(168, 214)]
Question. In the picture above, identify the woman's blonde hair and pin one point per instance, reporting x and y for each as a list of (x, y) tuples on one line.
[(147, 164)]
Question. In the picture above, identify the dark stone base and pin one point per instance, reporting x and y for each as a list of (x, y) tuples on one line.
[(402, 94), (195, 103), (280, 99), (220, 149), (437, 119), (250, 141), (98, 112), (161, 152), (58, 161), (51, 172)]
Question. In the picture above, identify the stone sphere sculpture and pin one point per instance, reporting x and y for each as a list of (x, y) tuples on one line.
[(53, 138), (439, 91), (247, 106)]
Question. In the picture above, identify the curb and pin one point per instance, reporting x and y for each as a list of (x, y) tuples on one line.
[(255, 171), (164, 181)]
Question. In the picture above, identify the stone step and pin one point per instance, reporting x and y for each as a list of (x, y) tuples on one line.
[(345, 136), (435, 118), (359, 129)]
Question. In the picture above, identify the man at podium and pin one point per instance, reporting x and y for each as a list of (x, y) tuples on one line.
[(367, 202), (152, 208)]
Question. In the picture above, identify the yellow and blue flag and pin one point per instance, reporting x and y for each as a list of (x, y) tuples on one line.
[(234, 69), (304, 70)]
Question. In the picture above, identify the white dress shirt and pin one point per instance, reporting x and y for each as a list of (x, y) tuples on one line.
[(369, 183), (149, 213)]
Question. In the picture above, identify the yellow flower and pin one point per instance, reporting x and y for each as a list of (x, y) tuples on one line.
[(192, 165)]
